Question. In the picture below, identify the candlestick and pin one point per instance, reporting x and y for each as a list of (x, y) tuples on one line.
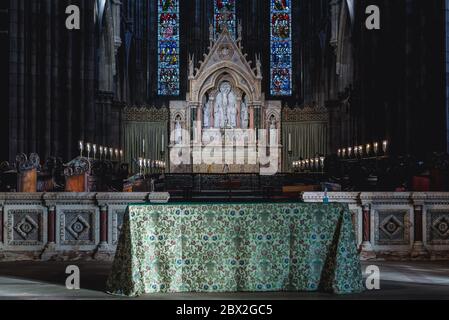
[(81, 148), (88, 150)]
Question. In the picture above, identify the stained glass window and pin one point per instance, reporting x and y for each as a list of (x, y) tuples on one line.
[(224, 14), (281, 48), (168, 47)]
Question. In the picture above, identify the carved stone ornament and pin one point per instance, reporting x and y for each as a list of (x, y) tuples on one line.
[(145, 114)]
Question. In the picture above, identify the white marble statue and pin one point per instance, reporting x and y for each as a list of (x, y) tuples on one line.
[(244, 114), (273, 131), (232, 115), (206, 115), (178, 132), (226, 106), (219, 121)]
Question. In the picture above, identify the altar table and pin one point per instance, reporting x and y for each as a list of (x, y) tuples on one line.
[(228, 247)]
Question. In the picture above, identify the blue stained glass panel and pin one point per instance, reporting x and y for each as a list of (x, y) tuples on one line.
[(281, 48), (168, 47), (224, 15)]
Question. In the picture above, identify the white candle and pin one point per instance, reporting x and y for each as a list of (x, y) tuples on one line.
[(163, 141), (143, 146)]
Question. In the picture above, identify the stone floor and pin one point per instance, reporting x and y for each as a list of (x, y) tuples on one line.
[(46, 280)]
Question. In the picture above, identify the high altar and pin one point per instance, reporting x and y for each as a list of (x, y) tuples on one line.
[(225, 124)]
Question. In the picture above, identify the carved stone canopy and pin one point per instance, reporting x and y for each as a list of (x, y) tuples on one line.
[(225, 61)]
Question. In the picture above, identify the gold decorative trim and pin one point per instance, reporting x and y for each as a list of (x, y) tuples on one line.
[(145, 114), (308, 113)]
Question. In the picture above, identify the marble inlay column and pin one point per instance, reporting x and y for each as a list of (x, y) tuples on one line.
[(418, 246), (51, 225), (103, 225), (366, 248)]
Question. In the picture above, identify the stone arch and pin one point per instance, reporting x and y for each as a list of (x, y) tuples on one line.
[(214, 77)]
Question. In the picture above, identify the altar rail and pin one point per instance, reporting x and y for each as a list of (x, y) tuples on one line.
[(69, 226)]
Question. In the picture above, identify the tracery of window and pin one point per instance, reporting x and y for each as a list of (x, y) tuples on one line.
[(168, 47), (281, 48), (224, 15)]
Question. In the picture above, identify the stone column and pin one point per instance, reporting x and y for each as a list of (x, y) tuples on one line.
[(418, 250), (252, 136), (50, 248), (51, 225), (366, 249), (103, 225), (103, 252), (199, 122)]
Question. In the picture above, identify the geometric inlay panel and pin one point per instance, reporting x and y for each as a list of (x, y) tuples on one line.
[(24, 227), (438, 226), (392, 228), (77, 227)]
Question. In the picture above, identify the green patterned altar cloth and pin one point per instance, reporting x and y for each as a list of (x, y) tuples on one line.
[(236, 247)]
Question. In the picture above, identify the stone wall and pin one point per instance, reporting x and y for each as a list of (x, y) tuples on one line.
[(71, 226)]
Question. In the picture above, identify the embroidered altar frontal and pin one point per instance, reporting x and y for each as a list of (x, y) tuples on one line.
[(236, 247)]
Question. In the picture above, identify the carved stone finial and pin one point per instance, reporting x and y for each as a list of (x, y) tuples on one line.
[(191, 66)]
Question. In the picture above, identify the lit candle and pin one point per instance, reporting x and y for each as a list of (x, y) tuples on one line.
[(116, 154), (368, 149), (322, 161), (81, 147), (111, 152), (344, 152), (88, 150), (384, 146), (339, 153), (349, 151), (121, 155), (376, 147)]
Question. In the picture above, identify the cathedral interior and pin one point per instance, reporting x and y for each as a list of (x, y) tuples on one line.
[(108, 103)]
